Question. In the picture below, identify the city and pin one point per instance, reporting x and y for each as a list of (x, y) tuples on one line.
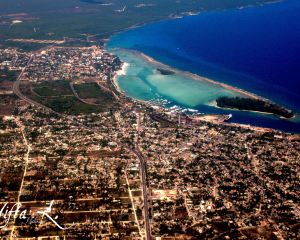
[(118, 168)]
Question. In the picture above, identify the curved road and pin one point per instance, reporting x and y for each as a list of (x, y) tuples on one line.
[(136, 151), (16, 90)]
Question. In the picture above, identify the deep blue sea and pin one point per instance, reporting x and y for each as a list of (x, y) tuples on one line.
[(255, 48)]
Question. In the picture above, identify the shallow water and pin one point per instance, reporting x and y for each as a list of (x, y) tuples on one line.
[(257, 49), (144, 81)]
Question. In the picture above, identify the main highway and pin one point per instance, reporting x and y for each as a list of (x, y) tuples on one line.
[(136, 151), (145, 192)]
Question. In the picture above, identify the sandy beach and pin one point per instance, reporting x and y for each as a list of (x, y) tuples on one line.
[(121, 72), (199, 78), (157, 64), (213, 118)]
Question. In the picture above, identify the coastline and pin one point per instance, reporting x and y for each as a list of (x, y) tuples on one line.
[(121, 72), (212, 118), (117, 87), (199, 78), (195, 77), (174, 16), (214, 104), (241, 92)]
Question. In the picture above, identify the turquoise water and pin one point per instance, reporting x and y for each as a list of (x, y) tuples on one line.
[(143, 81), (256, 49)]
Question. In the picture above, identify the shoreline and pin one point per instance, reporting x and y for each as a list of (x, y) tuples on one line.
[(198, 77), (214, 104), (195, 77), (121, 72), (175, 16)]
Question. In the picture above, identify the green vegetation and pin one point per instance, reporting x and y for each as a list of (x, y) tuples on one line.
[(53, 88), (165, 71), (165, 123), (58, 96), (55, 19), (93, 93), (68, 105), (23, 45), (92, 90), (252, 104)]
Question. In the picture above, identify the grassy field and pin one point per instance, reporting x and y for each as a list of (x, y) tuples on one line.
[(95, 94), (55, 19), (70, 105), (58, 96), (53, 88), (92, 90)]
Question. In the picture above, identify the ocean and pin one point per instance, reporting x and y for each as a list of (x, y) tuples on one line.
[(253, 48)]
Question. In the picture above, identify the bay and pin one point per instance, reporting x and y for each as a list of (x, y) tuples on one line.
[(256, 49)]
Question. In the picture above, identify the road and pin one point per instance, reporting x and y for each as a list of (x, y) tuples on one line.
[(26, 157), (80, 99), (136, 151), (17, 91), (145, 193), (132, 203)]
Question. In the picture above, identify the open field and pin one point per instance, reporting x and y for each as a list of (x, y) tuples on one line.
[(68, 105), (92, 92), (53, 88), (89, 90), (58, 96)]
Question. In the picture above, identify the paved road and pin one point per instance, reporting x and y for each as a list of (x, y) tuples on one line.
[(16, 90), (145, 193), (26, 157), (136, 151)]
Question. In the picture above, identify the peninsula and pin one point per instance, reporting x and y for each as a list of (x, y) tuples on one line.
[(251, 104), (80, 159), (116, 168)]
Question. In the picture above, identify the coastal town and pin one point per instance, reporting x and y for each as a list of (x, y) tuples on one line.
[(80, 160)]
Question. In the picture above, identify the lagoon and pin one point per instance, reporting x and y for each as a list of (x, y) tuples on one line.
[(256, 49)]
